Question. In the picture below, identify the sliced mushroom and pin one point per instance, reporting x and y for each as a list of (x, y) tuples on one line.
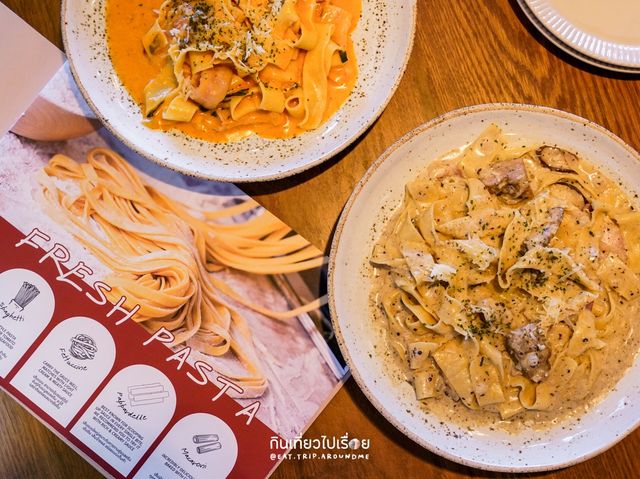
[(557, 159), (569, 195)]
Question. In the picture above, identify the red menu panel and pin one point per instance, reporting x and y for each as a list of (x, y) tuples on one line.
[(119, 395)]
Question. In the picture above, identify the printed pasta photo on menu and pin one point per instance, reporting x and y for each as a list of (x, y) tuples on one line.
[(229, 296)]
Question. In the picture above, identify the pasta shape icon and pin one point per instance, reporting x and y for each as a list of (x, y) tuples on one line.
[(83, 347), (27, 293), (207, 443)]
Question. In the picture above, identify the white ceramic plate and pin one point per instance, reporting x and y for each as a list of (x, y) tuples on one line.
[(605, 31), (383, 39), (566, 48), (375, 197)]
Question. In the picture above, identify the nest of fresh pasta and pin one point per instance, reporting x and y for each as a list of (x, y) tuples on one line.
[(164, 256)]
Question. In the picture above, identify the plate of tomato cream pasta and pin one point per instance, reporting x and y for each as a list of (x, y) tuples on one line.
[(238, 90), (485, 278)]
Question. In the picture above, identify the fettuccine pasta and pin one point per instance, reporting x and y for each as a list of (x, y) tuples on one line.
[(223, 69), (508, 282), (163, 254)]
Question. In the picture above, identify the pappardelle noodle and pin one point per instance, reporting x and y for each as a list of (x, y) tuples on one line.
[(232, 67), (508, 281)]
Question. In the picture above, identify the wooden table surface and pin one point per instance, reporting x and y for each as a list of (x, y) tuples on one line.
[(466, 52)]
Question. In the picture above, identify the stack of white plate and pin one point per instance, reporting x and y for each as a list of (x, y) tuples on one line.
[(602, 33)]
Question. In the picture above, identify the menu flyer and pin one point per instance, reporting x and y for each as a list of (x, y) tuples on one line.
[(163, 326)]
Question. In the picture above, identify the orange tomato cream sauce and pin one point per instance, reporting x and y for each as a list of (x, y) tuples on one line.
[(222, 70)]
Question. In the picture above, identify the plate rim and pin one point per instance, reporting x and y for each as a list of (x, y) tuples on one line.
[(65, 24), (589, 53), (549, 35), (331, 277)]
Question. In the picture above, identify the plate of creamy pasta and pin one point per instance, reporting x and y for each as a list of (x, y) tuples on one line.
[(237, 90), (484, 279)]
